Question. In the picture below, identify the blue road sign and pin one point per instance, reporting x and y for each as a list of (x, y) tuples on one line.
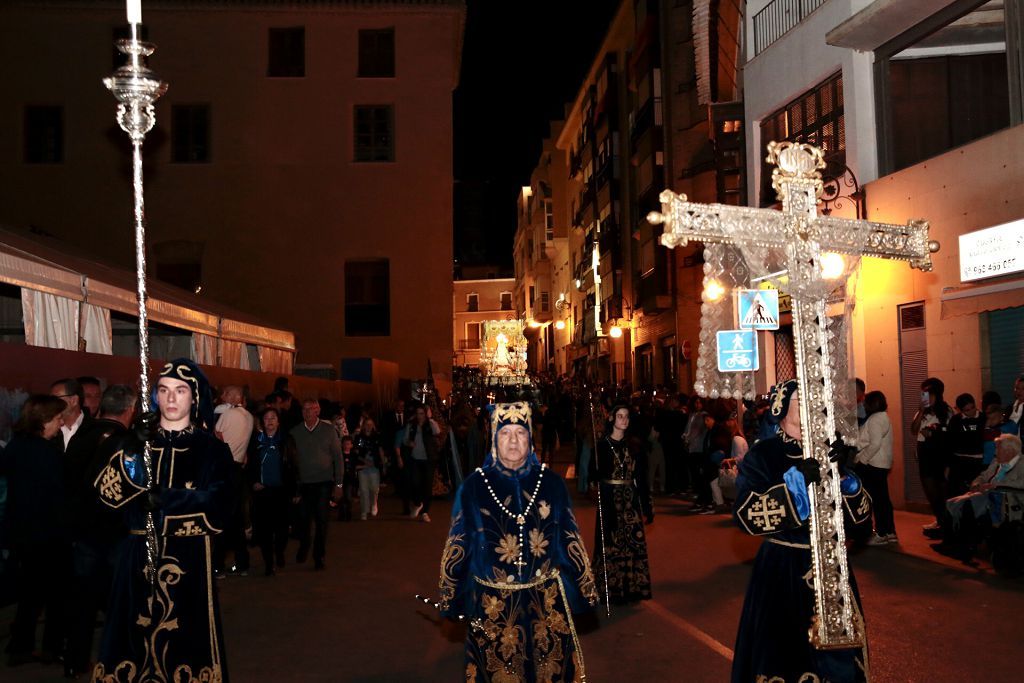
[(759, 309), (737, 351)]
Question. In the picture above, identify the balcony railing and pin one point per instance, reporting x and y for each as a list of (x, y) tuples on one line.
[(778, 17)]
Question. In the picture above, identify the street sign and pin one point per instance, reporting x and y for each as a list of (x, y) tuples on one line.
[(737, 350), (759, 309)]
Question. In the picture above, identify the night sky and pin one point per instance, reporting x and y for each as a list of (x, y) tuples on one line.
[(522, 61)]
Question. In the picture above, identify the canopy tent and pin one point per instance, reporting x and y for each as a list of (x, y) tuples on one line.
[(67, 301)]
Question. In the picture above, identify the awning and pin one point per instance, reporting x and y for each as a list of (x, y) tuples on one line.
[(972, 299)]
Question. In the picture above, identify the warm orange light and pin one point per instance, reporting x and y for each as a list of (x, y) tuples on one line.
[(832, 266), (714, 290), (615, 332), (559, 324), (534, 324)]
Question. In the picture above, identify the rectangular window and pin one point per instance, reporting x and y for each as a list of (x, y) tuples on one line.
[(377, 53), (374, 133), (472, 303), (816, 117), (472, 336), (190, 133), (545, 301), (533, 296), (506, 301), (368, 298), (549, 221), (44, 135), (286, 52)]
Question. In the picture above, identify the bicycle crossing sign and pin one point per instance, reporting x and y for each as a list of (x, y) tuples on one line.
[(759, 309), (737, 351)]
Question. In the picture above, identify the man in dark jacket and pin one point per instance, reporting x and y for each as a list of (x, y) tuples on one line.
[(95, 530)]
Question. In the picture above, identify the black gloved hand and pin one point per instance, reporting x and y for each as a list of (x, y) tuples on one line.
[(649, 519), (152, 501), (145, 426), (841, 453), (810, 469)]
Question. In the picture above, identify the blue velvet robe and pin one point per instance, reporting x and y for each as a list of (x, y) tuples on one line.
[(520, 620), (170, 632), (773, 642)]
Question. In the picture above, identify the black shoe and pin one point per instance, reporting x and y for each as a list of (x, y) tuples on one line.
[(49, 657), (269, 571), (75, 672), (300, 557), (280, 561), (318, 565)]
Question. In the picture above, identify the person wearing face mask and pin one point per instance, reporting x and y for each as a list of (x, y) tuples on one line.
[(514, 566), (967, 436), (772, 501), (930, 426)]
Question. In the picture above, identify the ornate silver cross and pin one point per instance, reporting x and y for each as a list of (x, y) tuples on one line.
[(804, 238)]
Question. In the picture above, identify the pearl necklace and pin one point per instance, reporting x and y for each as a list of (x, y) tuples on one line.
[(520, 519)]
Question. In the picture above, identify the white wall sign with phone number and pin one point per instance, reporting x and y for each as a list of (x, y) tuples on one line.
[(992, 252)]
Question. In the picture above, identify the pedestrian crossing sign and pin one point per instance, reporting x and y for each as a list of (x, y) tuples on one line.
[(737, 351), (759, 309)]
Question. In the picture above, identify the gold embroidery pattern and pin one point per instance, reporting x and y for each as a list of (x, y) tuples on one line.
[(110, 484), (766, 514), (578, 556), (454, 553), (158, 622), (544, 509), (500, 643), (189, 528), (538, 543), (508, 549)]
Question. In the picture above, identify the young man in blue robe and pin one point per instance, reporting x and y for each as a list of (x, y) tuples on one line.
[(773, 643), (168, 630), (514, 565)]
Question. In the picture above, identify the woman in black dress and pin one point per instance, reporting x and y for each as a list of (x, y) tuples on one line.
[(620, 470)]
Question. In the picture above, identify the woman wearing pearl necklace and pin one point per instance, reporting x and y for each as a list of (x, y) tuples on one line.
[(620, 554), (514, 565)]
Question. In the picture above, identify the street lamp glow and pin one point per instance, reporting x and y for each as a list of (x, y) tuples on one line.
[(832, 266), (559, 324), (615, 332), (714, 291), (534, 324)]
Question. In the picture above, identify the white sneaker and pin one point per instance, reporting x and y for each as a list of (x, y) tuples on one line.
[(879, 540), (891, 538), (425, 518), (932, 526), (416, 511), (374, 510), (362, 517)]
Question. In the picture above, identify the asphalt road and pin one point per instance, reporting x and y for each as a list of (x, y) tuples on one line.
[(929, 619)]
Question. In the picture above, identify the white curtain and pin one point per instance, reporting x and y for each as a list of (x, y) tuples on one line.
[(204, 349), (232, 353), (277, 361), (50, 321), (96, 331)]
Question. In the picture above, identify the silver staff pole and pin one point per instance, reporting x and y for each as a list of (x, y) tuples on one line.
[(136, 89), (600, 513)]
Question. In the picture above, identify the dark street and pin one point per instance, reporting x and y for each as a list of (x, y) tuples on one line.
[(928, 618)]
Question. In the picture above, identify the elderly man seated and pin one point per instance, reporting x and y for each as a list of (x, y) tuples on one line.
[(996, 498)]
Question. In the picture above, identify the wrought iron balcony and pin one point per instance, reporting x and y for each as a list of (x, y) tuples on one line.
[(777, 18)]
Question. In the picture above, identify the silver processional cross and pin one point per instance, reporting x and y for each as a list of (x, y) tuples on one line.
[(804, 237)]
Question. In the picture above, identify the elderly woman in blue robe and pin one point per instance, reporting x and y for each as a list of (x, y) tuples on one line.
[(514, 565), (773, 642)]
